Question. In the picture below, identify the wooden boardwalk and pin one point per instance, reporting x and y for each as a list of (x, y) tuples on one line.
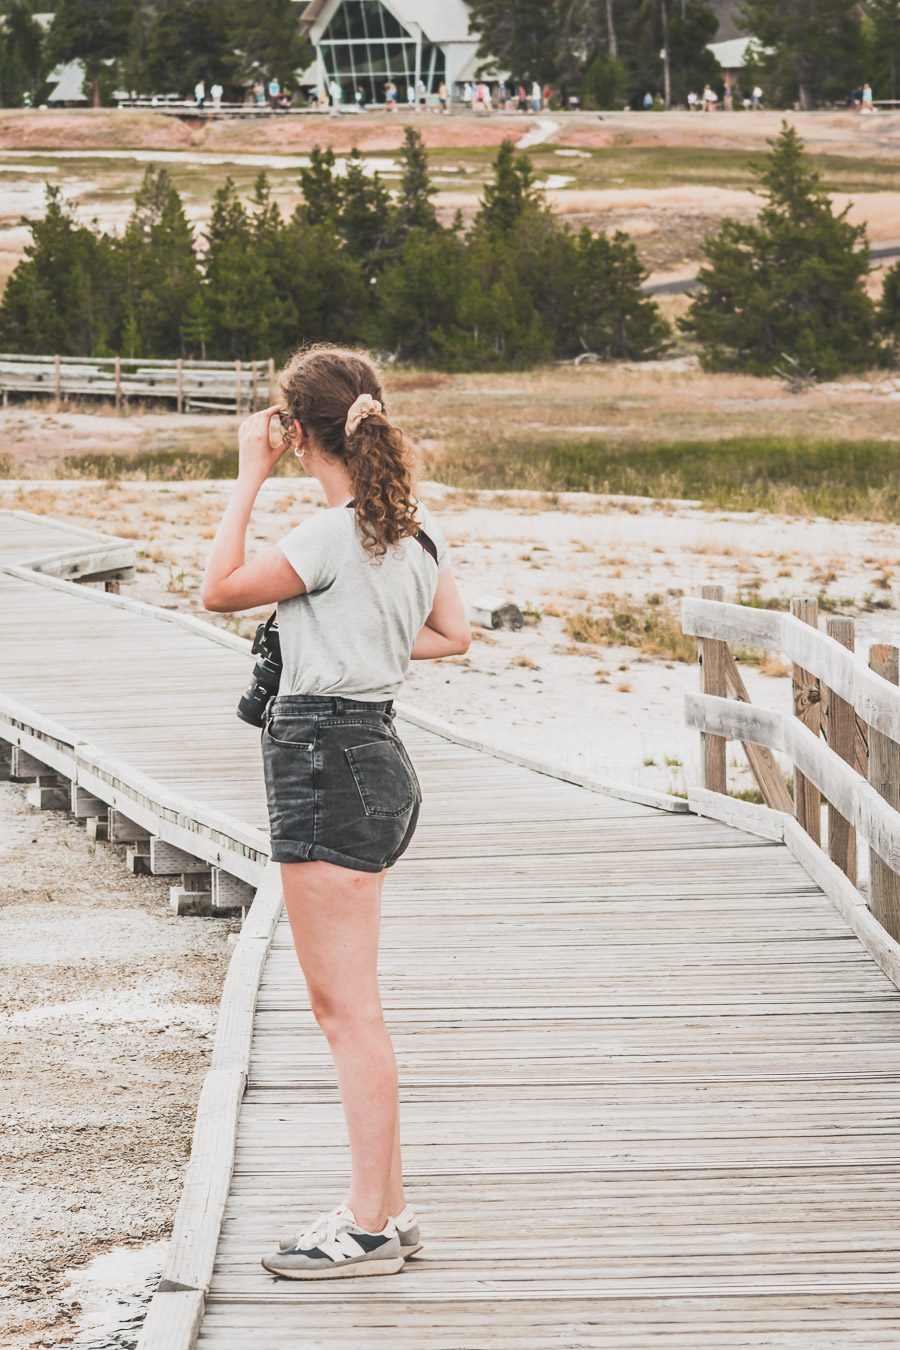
[(650, 1081)]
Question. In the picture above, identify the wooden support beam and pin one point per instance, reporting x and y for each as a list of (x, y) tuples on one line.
[(49, 792), (238, 391), (118, 379), (230, 892), (711, 655), (839, 728), (84, 804), (5, 761), (97, 828), (123, 830), (23, 765), (884, 776), (808, 708), (179, 386), (760, 758), (193, 896), (137, 858), (166, 858)]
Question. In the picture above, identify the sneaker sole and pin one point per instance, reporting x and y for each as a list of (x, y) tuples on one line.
[(388, 1267), (411, 1251)]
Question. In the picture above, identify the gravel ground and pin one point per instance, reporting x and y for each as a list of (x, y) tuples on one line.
[(107, 1012)]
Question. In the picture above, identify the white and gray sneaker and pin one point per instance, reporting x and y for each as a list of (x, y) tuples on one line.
[(335, 1245), (406, 1223)]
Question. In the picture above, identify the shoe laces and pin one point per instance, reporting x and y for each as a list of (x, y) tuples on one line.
[(325, 1228)]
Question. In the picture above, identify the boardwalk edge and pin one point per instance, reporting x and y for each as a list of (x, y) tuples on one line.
[(176, 1309)]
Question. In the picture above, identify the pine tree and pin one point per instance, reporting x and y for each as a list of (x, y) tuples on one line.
[(184, 43), (21, 54), (791, 284), (610, 314), (267, 34), (884, 18), (364, 217), (524, 38), (818, 47), (414, 209), (419, 300), (62, 296), (510, 194), (321, 191), (160, 273), (91, 31), (889, 312), (235, 308)]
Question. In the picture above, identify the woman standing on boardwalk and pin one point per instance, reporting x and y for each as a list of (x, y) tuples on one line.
[(362, 587)]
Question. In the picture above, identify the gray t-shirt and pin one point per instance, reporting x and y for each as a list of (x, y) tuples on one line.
[(351, 633)]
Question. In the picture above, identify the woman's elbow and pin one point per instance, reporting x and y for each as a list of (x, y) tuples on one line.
[(463, 640), (211, 599)]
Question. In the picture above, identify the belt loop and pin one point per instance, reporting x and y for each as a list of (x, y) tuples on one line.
[(338, 705)]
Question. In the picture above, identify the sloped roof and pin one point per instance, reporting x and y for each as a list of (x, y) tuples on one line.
[(69, 87), (732, 54), (439, 20)]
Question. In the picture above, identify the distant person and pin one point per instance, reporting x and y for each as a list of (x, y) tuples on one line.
[(259, 94), (360, 97), (856, 97), (867, 103), (200, 94), (443, 97), (648, 102), (546, 95), (468, 94), (217, 91), (274, 90), (335, 94), (535, 97), (390, 96), (521, 99), (502, 95), (421, 95), (710, 99), (691, 101), (756, 97)]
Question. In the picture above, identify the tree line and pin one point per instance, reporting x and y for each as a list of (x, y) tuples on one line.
[(150, 46), (611, 52), (353, 263)]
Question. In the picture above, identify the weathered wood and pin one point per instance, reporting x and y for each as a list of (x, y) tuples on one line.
[(807, 707), (238, 389), (711, 655), (884, 775), (137, 859), (189, 1261), (83, 804), (118, 383), (172, 1321), (48, 792), (762, 763), (122, 830), (876, 702), (22, 765), (97, 828), (765, 821), (839, 728), (165, 859), (230, 892), (179, 386), (876, 820)]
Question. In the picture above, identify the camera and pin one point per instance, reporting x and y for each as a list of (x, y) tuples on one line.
[(266, 674)]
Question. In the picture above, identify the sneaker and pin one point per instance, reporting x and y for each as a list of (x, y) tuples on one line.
[(335, 1245), (406, 1223), (407, 1226)]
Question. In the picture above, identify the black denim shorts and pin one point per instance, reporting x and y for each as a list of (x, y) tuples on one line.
[(340, 786)]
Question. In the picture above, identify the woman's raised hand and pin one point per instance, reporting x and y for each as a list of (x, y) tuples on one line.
[(257, 456)]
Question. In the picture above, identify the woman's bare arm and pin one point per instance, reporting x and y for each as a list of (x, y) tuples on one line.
[(446, 631), (230, 583)]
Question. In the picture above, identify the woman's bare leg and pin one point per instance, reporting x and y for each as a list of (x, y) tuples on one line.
[(335, 916)]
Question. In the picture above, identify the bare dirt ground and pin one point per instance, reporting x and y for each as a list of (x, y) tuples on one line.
[(107, 1012)]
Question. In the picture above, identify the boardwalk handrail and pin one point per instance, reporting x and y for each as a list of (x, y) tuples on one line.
[(189, 384), (843, 741)]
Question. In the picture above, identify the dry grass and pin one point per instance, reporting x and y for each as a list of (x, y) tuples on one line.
[(650, 627)]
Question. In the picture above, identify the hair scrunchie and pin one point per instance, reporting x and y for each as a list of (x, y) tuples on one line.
[(361, 408)]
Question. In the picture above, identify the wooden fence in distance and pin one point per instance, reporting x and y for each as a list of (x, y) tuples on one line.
[(191, 386), (843, 741)]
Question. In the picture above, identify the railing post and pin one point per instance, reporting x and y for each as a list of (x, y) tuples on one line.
[(118, 369), (271, 374), (711, 654), (884, 775), (808, 707), (254, 388), (179, 386), (57, 371), (839, 727), (238, 402)]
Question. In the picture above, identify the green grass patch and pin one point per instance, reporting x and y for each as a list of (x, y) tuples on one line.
[(650, 627), (789, 476), (168, 465)]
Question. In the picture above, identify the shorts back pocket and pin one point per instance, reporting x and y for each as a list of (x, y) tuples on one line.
[(382, 778)]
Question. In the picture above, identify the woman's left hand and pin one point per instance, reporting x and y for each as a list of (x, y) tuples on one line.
[(256, 457)]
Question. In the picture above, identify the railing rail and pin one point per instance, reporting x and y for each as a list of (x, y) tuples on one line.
[(842, 740), (241, 386)]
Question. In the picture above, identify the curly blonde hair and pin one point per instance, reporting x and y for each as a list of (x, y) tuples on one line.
[(319, 385)]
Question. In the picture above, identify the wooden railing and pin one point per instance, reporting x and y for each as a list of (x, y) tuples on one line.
[(842, 740), (212, 386)]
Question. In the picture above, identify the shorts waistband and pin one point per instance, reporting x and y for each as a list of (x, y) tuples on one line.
[(328, 704)]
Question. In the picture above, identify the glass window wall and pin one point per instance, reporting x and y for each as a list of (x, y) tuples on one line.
[(364, 46)]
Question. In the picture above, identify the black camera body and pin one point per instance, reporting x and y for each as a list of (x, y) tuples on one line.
[(266, 675)]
